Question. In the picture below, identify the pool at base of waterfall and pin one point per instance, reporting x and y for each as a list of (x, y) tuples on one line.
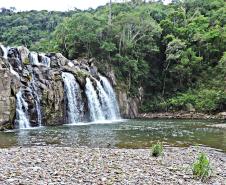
[(121, 134)]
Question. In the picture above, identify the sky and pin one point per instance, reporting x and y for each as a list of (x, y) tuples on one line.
[(59, 5)]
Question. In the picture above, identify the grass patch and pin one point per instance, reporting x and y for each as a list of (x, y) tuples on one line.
[(157, 150), (201, 167)]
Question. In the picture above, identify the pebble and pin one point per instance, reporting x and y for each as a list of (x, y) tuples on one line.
[(68, 165)]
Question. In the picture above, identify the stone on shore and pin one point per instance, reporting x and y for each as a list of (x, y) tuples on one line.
[(66, 165)]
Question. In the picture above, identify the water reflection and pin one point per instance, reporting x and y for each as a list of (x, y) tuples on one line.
[(23, 137), (7, 139), (128, 134)]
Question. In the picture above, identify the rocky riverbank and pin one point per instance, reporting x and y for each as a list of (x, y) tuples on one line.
[(182, 115), (64, 165)]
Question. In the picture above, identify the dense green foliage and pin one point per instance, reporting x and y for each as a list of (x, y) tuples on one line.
[(28, 28), (176, 52), (157, 150), (201, 167)]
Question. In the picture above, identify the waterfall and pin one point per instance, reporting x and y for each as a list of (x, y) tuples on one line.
[(102, 106), (107, 105), (21, 111), (34, 92), (73, 96), (95, 110), (5, 51), (13, 72), (33, 57), (111, 95), (45, 60)]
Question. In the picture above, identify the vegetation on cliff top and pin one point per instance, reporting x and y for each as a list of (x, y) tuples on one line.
[(30, 27), (176, 52)]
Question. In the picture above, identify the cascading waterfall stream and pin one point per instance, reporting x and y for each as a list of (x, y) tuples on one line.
[(21, 111), (73, 96), (34, 91), (5, 51), (33, 57), (45, 60), (111, 94), (5, 55), (106, 103), (95, 110), (13, 72)]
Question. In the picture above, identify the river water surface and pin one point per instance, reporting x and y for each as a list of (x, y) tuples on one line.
[(122, 134)]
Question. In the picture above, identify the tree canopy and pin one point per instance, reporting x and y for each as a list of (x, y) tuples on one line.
[(176, 52)]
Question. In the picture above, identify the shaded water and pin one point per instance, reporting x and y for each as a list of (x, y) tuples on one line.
[(126, 134)]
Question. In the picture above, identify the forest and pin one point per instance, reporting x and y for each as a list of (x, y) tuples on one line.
[(175, 52)]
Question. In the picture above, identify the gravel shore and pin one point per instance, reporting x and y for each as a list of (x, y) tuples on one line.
[(182, 115), (65, 165)]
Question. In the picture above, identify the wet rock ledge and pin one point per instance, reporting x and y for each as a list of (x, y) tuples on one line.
[(65, 165)]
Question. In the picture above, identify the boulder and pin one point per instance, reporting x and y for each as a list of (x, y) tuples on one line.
[(189, 107), (57, 60), (79, 74), (94, 72), (221, 115), (24, 52), (14, 53)]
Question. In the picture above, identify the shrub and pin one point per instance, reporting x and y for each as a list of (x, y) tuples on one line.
[(201, 167), (157, 150), (180, 101), (153, 104), (209, 99), (204, 100)]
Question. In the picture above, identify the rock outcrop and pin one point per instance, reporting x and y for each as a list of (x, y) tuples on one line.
[(50, 87), (9, 86), (129, 106), (39, 77)]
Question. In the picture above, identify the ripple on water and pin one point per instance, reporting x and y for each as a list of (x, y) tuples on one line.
[(120, 133)]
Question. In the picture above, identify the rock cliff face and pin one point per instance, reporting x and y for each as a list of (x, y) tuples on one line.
[(50, 86), (39, 77), (129, 106), (9, 85)]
